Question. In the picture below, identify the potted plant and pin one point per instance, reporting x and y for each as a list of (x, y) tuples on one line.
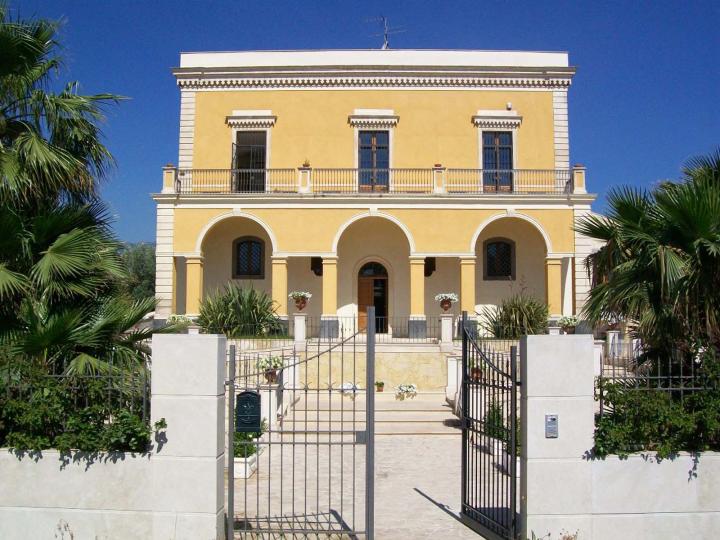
[(446, 300), (246, 451), (406, 391), (475, 371), (568, 324), (271, 366), (306, 164), (349, 389), (379, 386), (301, 299)]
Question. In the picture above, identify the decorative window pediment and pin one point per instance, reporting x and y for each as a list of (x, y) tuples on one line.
[(373, 118), (251, 119), (495, 119)]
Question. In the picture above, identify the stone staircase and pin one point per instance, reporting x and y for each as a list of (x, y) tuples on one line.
[(426, 414)]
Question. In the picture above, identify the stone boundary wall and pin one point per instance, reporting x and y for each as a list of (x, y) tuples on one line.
[(564, 489), (176, 491)]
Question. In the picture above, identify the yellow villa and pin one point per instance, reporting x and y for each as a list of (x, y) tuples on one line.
[(373, 177)]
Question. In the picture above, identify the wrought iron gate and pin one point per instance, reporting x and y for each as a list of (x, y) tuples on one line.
[(308, 472), (489, 436)]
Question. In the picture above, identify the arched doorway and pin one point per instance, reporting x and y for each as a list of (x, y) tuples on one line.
[(372, 290)]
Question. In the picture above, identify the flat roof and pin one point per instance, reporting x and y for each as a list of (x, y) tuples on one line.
[(374, 57)]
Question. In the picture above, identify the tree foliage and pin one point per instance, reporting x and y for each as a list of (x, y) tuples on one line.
[(659, 267), (239, 312), (516, 316), (139, 261)]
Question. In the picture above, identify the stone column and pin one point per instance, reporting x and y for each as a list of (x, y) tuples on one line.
[(194, 284), (188, 392), (279, 287), (417, 325), (553, 285), (446, 332), (329, 326), (578, 172), (467, 285)]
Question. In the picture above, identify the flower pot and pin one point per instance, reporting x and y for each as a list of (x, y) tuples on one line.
[(300, 303), (445, 304), (569, 329), (379, 388), (271, 376), (245, 467), (475, 374)]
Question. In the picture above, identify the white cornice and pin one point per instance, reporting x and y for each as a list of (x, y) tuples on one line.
[(373, 118), (251, 119), (230, 82), (497, 119)]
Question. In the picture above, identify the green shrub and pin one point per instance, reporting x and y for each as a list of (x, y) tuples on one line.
[(245, 446), (239, 312), (655, 420), (67, 413), (516, 316)]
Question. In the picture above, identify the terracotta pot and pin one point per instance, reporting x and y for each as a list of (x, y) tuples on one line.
[(300, 303), (569, 329), (475, 374), (271, 375), (445, 304), (379, 388)]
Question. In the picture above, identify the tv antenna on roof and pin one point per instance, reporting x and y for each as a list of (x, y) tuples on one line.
[(387, 30)]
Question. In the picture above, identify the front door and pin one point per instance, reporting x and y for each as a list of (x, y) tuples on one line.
[(373, 291)]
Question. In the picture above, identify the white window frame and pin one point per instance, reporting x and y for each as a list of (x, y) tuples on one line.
[(373, 120), (496, 120)]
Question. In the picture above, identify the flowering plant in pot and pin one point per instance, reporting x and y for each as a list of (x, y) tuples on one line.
[(301, 298), (271, 366), (406, 391), (568, 324), (379, 386), (446, 300)]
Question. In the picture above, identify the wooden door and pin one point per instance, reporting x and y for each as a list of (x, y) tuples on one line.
[(365, 299)]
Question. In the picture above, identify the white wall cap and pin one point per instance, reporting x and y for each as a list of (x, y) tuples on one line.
[(374, 57)]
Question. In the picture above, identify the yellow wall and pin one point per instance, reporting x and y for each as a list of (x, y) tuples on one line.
[(303, 230), (435, 126)]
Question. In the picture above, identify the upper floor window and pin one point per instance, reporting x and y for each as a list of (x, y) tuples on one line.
[(497, 160), (248, 161), (499, 259), (249, 258), (373, 160)]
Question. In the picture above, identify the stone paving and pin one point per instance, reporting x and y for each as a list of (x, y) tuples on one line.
[(417, 478)]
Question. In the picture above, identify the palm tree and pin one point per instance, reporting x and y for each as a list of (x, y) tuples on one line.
[(660, 265), (61, 303), (49, 142)]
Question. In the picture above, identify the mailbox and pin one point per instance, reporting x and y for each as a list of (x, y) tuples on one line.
[(248, 417)]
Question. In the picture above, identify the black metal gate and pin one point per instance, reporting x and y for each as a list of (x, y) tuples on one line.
[(490, 436), (303, 437)]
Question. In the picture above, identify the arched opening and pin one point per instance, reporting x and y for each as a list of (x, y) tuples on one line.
[(510, 259), (237, 249), (377, 240), (372, 290)]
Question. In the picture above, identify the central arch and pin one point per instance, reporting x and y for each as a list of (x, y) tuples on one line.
[(373, 240)]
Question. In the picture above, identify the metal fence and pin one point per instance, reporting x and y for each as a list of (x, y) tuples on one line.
[(302, 434), (389, 329), (630, 369), (69, 398), (421, 181)]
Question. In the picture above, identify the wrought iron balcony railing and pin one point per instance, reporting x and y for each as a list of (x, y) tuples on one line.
[(323, 181)]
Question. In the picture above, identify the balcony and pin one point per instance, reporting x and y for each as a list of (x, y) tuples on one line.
[(395, 181)]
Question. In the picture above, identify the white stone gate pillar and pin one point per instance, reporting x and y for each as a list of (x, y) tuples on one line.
[(188, 391)]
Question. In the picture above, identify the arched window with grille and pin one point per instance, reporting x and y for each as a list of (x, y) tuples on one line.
[(248, 258), (499, 255)]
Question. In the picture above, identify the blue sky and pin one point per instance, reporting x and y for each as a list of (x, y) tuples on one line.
[(645, 98)]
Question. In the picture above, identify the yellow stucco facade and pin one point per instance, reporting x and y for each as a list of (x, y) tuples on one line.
[(428, 236)]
